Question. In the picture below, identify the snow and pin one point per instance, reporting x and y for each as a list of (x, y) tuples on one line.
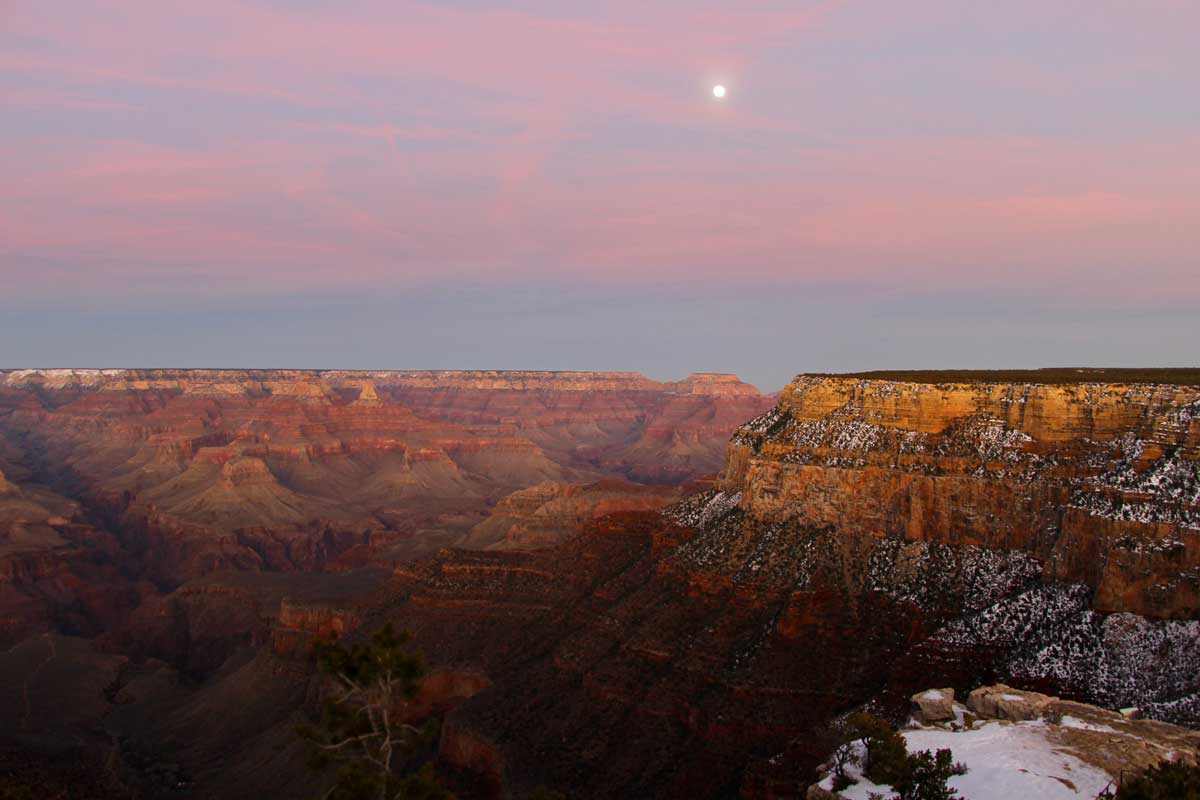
[(767, 424), (704, 509), (1050, 632), (58, 378), (1012, 760), (1004, 761), (1166, 490), (719, 506), (932, 694), (1083, 725)]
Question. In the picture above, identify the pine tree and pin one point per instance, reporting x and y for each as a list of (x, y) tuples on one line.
[(362, 729)]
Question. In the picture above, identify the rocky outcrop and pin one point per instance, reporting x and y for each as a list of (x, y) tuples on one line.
[(1004, 702), (934, 705), (1044, 531), (1015, 743), (546, 514), (1099, 482), (1120, 743)]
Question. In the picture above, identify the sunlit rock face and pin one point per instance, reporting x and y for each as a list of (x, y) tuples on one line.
[(549, 513), (1049, 533), (1098, 482), (204, 470)]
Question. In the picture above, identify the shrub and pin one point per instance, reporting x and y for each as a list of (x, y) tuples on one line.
[(913, 776), (838, 740), (928, 774), (1166, 781), (360, 731), (887, 756)]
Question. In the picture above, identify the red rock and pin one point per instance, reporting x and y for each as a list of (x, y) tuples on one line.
[(207, 465)]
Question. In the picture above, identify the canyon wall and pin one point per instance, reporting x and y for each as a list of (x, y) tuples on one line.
[(1099, 482), (867, 538), (202, 470)]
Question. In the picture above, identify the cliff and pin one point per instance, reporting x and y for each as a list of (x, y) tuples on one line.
[(202, 470), (548, 513), (869, 536), (1100, 483), (866, 538)]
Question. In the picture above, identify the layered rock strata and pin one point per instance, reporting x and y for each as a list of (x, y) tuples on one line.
[(868, 539), (865, 538), (202, 470), (551, 512)]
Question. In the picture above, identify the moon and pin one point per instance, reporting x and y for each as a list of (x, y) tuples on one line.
[(718, 91)]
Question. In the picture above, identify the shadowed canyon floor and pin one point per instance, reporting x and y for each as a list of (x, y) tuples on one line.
[(175, 540)]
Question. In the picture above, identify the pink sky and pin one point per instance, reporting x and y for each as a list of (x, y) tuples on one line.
[(162, 154)]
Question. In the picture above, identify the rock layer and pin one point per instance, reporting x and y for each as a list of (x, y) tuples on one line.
[(550, 512), (1101, 483), (202, 470), (867, 539)]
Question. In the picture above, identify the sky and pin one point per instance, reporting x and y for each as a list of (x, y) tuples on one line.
[(551, 184)]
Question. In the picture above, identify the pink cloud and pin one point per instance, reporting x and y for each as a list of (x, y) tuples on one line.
[(377, 144)]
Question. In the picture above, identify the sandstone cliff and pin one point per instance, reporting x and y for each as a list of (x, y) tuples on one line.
[(1048, 531), (866, 538), (1099, 482), (201, 470)]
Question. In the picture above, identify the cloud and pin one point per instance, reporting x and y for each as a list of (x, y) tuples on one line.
[(240, 147)]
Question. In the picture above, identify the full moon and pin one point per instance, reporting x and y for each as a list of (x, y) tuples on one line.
[(718, 91)]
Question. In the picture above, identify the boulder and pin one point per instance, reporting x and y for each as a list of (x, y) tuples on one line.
[(934, 705), (1005, 702)]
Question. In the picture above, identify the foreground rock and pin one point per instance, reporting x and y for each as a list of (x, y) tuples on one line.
[(1004, 702), (934, 705), (1026, 744)]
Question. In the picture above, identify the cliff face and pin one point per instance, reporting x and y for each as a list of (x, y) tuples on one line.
[(1045, 533), (57, 570), (201, 470), (1099, 483), (617, 423), (867, 538), (549, 513)]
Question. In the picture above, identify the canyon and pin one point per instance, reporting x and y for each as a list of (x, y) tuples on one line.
[(621, 587), (169, 475)]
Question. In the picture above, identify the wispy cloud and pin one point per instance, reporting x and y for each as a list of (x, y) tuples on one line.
[(247, 145)]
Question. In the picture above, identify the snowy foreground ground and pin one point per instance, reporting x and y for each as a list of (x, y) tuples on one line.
[(1005, 761)]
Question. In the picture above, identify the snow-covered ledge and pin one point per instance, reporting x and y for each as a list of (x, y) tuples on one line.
[(1018, 744)]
